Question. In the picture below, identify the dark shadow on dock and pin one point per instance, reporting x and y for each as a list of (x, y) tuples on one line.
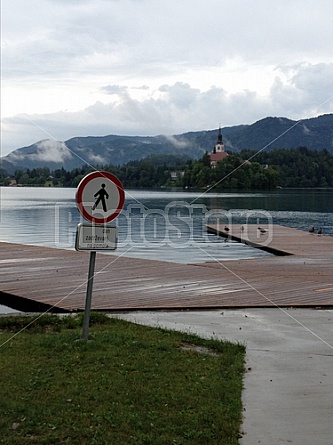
[(229, 236), (26, 305)]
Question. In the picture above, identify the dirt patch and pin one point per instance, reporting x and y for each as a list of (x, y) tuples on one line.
[(199, 349)]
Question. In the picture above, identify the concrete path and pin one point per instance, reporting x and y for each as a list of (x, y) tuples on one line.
[(288, 393)]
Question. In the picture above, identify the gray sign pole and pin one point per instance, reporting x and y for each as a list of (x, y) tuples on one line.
[(88, 295)]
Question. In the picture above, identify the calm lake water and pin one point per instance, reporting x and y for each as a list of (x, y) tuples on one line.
[(163, 225)]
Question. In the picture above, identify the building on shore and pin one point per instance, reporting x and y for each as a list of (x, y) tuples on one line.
[(218, 153)]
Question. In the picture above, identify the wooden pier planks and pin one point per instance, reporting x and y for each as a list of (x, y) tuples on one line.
[(277, 239), (54, 277)]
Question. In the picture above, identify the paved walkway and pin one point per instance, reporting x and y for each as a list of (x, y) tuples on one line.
[(288, 393)]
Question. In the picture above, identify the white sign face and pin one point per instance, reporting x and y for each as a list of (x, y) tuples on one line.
[(96, 237), (100, 197)]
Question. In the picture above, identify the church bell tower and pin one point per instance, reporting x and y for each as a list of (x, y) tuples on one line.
[(219, 146), (218, 153)]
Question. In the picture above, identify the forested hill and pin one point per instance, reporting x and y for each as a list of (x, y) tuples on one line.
[(298, 167), (268, 133)]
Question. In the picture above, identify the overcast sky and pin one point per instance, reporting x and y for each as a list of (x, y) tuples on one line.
[(146, 67)]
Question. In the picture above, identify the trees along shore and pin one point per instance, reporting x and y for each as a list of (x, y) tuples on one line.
[(298, 167)]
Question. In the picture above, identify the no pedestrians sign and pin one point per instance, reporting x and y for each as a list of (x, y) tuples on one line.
[(100, 197)]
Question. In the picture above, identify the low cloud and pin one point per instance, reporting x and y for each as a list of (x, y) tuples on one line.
[(48, 150), (297, 92), (306, 130), (96, 159), (307, 92), (178, 143), (52, 151), (114, 89)]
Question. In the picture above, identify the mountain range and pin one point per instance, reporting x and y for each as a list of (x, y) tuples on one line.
[(268, 133)]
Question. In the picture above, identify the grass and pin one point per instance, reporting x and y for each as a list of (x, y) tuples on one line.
[(129, 384)]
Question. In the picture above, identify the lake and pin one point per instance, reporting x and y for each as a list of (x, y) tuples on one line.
[(163, 225), (167, 225)]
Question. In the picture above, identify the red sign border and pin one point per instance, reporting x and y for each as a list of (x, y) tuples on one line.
[(84, 182)]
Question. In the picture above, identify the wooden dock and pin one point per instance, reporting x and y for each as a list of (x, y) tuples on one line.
[(39, 278), (278, 240)]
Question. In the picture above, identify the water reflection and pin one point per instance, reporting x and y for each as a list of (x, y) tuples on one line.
[(163, 225)]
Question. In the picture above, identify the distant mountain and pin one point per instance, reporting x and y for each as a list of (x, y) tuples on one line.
[(268, 133), (272, 132)]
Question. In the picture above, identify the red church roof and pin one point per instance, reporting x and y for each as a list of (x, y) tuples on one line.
[(216, 157)]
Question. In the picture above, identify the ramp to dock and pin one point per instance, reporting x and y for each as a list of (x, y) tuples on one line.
[(39, 278)]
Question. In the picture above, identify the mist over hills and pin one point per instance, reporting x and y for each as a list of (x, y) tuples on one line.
[(268, 133)]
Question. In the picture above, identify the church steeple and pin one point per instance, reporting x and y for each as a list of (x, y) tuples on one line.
[(219, 146), (218, 153), (219, 136)]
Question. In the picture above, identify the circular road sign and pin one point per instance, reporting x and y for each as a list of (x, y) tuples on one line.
[(100, 197)]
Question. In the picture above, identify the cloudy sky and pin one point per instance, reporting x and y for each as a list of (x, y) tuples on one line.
[(146, 67)]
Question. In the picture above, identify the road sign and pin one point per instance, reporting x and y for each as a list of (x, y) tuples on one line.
[(100, 197), (96, 237)]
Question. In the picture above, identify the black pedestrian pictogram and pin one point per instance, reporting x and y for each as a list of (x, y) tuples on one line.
[(101, 195)]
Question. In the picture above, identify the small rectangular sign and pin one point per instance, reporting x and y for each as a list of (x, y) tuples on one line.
[(96, 237)]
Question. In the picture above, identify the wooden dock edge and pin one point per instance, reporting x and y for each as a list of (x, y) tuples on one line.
[(220, 232)]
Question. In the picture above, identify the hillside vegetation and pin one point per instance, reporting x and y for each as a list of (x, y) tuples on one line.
[(299, 167), (268, 134)]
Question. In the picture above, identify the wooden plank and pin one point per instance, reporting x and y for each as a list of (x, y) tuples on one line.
[(276, 239), (57, 278)]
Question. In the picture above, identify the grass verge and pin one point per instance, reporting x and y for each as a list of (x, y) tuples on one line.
[(129, 384)]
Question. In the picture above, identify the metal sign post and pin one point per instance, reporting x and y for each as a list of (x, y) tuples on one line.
[(87, 309), (100, 198)]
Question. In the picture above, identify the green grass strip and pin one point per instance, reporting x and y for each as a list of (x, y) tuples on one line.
[(128, 384)]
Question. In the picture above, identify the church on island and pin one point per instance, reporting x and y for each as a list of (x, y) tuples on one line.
[(218, 153)]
